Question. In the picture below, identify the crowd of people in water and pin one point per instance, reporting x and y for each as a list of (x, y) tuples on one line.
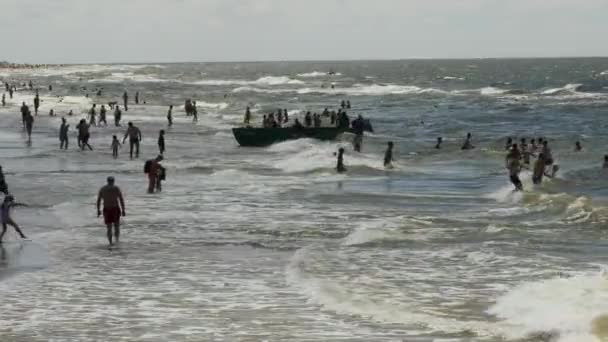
[(519, 156), (110, 195), (18, 66)]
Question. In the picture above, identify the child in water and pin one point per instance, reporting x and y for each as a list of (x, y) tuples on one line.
[(340, 165), (5, 212), (115, 146)]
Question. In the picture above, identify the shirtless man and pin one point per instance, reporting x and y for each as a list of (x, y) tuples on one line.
[(113, 208), (134, 135)]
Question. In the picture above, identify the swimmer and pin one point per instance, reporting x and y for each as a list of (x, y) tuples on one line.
[(113, 208), (5, 212), (578, 147)]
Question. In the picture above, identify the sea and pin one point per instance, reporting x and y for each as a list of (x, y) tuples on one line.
[(272, 244)]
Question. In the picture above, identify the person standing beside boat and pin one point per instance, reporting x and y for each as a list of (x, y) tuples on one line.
[(247, 119), (358, 127)]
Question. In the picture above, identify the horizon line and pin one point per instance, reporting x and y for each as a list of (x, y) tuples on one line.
[(316, 60)]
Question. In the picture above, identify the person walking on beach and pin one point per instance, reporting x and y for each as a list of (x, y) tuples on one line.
[(29, 125), (113, 208), (125, 100), (194, 112), (170, 116), (24, 111), (117, 116), (92, 116), (36, 103), (152, 168), (3, 99), (102, 116), (115, 146), (10, 93), (63, 134), (84, 135), (161, 141), (5, 213), (136, 97), (134, 135)]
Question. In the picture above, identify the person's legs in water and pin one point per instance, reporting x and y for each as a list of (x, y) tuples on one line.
[(131, 143), (3, 231), (109, 233), (515, 180), (117, 232), (12, 223), (159, 187), (151, 183), (136, 148)]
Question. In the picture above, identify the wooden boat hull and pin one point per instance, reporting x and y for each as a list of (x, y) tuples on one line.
[(247, 136)]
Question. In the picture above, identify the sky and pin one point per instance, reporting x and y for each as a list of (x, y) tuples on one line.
[(86, 31)]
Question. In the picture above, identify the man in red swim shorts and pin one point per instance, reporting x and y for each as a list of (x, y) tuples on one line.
[(113, 208)]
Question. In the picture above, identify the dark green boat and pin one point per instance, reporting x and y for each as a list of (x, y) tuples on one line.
[(249, 136)]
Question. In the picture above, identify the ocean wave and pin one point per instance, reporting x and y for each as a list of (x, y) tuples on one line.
[(306, 155), (264, 81), (340, 298), (492, 91), (248, 89), (317, 74), (568, 309), (451, 78), (373, 89), (565, 90), (119, 77)]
